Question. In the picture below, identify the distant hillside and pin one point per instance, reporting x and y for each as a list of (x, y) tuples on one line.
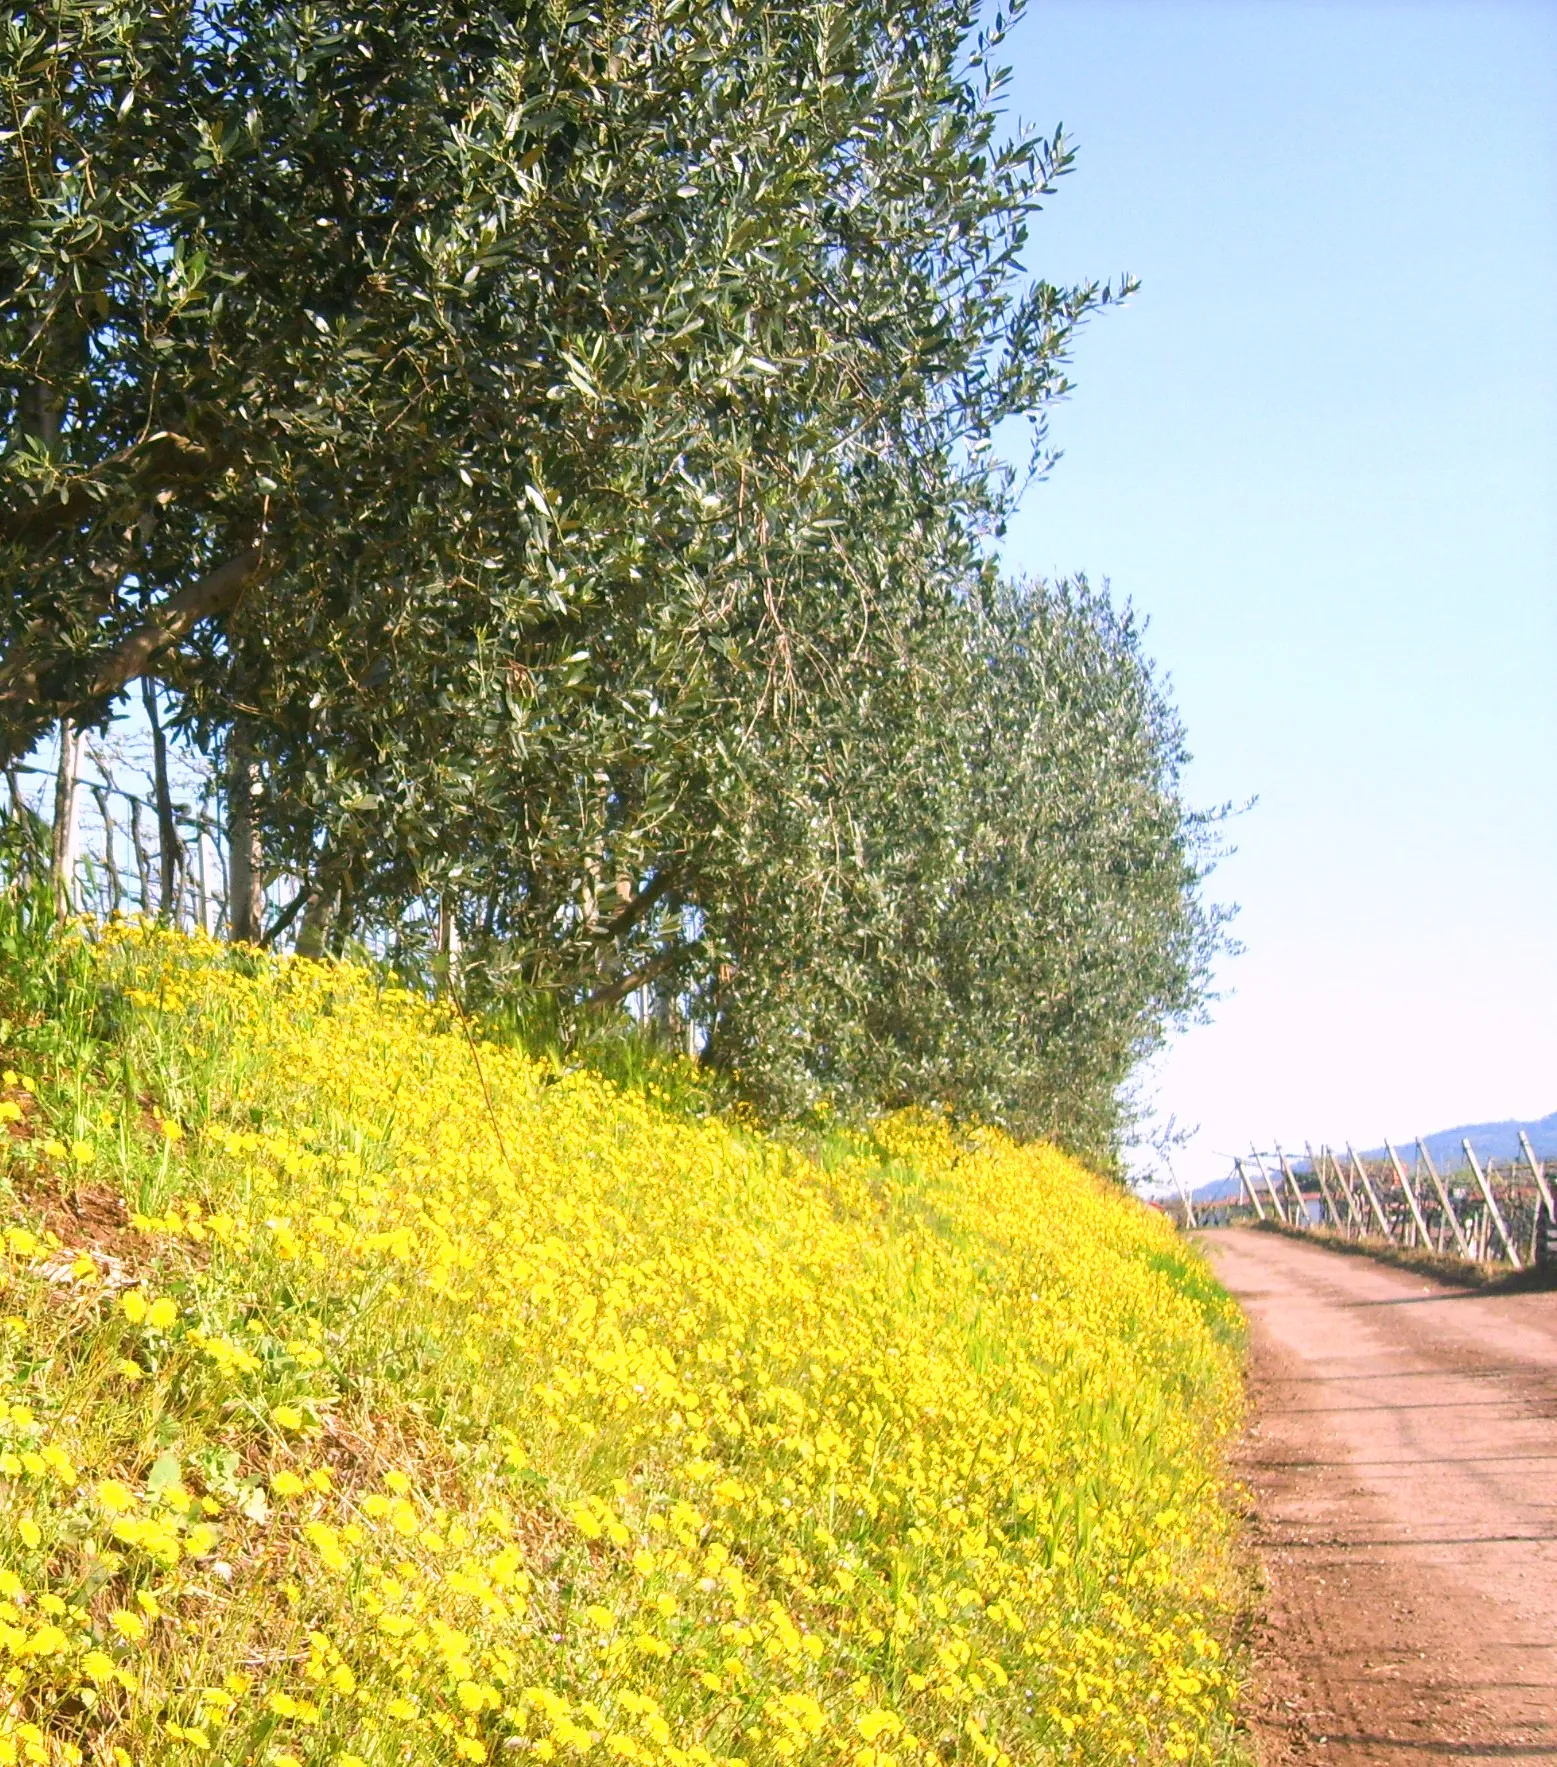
[(1219, 1190), (1492, 1141)]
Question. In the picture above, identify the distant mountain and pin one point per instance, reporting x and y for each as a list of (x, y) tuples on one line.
[(1492, 1141), (1219, 1190)]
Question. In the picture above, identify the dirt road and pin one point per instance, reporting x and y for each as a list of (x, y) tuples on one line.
[(1402, 1454)]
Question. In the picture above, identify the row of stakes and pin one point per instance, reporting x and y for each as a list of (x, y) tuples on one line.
[(1349, 1199)]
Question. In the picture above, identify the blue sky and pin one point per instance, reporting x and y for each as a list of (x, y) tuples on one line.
[(1319, 451)]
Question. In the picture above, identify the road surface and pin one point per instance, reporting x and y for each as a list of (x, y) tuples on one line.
[(1402, 1461)]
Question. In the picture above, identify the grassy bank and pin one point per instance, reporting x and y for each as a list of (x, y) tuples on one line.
[(372, 1394)]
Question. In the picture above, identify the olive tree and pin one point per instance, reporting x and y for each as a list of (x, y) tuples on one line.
[(1003, 912)]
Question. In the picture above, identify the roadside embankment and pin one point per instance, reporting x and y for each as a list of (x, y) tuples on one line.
[(1422, 1260), (377, 1394)]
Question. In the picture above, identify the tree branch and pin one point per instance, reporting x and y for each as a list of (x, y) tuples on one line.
[(627, 918), (172, 619), (163, 460), (285, 918), (621, 988), (25, 710)]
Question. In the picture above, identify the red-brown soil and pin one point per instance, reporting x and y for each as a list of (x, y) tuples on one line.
[(1401, 1456)]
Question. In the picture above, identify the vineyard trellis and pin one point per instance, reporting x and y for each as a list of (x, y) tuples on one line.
[(1481, 1211), (140, 823), (122, 832), (114, 850)]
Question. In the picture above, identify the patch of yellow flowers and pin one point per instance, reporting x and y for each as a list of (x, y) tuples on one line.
[(435, 1404)]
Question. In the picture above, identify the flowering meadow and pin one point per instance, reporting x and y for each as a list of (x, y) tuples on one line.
[(371, 1393)]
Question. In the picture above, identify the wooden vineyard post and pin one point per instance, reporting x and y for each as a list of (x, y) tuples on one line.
[(1446, 1200), (1543, 1199), (1275, 1199), (1299, 1201), (1491, 1170), (1327, 1202), (1492, 1206), (1339, 1173), (1441, 1237), (1372, 1195), (1538, 1172), (1405, 1185), (1184, 1196), (1298, 1198), (1245, 1181)]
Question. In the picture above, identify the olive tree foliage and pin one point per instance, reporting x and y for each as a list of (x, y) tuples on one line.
[(1017, 920), (545, 447), (785, 317), (381, 338)]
